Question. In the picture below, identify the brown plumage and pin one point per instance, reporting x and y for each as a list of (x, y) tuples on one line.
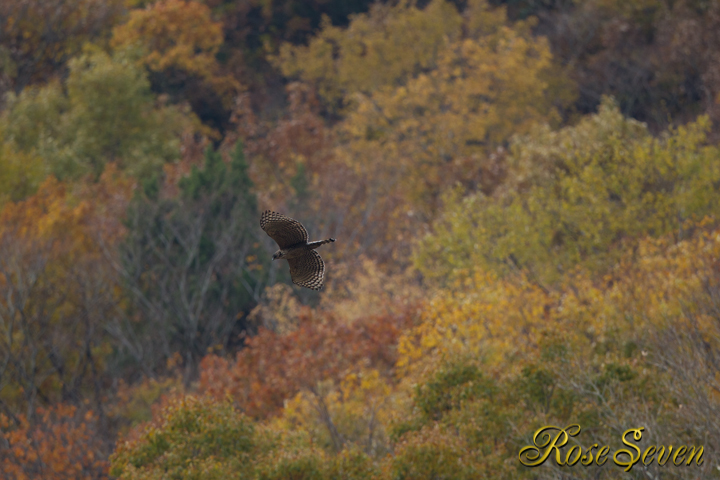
[(307, 268)]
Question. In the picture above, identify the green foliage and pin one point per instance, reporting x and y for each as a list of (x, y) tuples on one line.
[(104, 113), (20, 173), (433, 453), (191, 261), (204, 439), (307, 463), (351, 464), (301, 186), (216, 176), (450, 388), (573, 194), (537, 385), (305, 466), (460, 416), (616, 373), (196, 440)]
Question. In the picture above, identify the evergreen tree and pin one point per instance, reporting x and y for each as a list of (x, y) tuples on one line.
[(191, 264)]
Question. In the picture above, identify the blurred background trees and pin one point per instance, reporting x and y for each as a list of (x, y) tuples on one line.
[(38, 38), (524, 193), (75, 128), (191, 263)]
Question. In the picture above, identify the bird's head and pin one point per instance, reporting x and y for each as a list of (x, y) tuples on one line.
[(278, 254)]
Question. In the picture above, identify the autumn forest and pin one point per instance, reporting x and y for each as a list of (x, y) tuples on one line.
[(525, 196)]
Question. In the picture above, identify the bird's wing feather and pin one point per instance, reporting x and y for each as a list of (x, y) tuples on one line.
[(284, 230), (308, 270)]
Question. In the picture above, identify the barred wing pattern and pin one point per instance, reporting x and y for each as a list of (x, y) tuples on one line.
[(308, 270), (284, 230)]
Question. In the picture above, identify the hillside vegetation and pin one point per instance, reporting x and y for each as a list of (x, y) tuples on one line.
[(526, 201)]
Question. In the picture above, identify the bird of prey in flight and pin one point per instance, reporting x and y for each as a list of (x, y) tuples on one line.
[(307, 268)]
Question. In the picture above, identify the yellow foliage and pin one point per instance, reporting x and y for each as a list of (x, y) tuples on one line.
[(407, 138), (574, 196), (355, 412), (177, 34), (462, 85), (504, 321), (422, 137), (280, 310), (361, 288), (483, 317), (381, 48)]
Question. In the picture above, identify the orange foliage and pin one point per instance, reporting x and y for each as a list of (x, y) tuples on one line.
[(56, 289), (273, 368), (300, 137), (60, 443), (54, 210)]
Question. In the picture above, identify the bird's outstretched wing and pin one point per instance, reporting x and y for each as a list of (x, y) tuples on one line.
[(308, 270), (284, 230)]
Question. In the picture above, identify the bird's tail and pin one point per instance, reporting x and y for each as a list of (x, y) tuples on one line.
[(320, 242)]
